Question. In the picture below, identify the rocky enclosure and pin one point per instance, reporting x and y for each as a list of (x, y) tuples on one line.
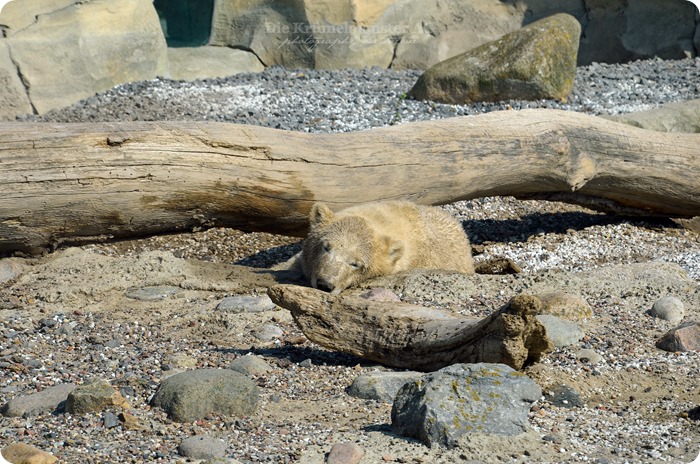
[(55, 53)]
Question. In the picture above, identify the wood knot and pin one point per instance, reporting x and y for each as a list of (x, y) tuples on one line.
[(583, 168)]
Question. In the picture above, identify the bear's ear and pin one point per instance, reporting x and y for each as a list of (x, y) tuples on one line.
[(394, 250), (320, 215)]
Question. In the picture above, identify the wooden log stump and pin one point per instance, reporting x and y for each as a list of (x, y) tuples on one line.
[(414, 337), (75, 183)]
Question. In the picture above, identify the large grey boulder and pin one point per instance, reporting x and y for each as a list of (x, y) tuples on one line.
[(535, 62), (191, 395), (74, 49), (462, 399)]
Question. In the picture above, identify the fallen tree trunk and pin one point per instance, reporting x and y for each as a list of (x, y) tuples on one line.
[(74, 183), (414, 337)]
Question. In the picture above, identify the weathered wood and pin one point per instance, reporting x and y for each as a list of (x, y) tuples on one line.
[(414, 337), (68, 183)]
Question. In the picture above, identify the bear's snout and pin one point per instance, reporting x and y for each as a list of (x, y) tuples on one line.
[(324, 285)]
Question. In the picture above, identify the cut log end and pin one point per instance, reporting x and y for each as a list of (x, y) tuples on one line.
[(414, 337)]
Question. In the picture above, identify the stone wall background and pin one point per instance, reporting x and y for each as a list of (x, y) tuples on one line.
[(56, 52)]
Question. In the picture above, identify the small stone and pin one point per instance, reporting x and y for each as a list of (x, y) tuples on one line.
[(694, 414), (268, 333), (590, 356), (180, 361), (114, 343), (685, 337), (130, 422), (498, 266), (190, 396), (381, 294), (20, 453), (564, 396), (381, 386), (202, 447), (47, 400), (566, 306), (110, 420), (94, 396), (156, 293), (221, 461), (246, 304), (561, 332), (345, 453), (250, 365), (668, 308)]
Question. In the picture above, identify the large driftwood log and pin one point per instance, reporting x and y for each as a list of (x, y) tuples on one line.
[(71, 183), (414, 337)]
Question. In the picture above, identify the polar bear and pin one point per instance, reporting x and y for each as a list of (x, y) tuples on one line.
[(375, 239)]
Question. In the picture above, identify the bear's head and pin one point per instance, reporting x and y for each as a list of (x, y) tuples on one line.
[(342, 251)]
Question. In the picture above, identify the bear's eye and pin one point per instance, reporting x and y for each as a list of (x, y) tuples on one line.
[(326, 247), (355, 265)]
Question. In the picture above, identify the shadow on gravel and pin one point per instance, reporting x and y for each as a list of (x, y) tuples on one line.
[(496, 230), (270, 256), (519, 230), (306, 356)]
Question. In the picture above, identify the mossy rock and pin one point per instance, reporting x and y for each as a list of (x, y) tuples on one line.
[(532, 63)]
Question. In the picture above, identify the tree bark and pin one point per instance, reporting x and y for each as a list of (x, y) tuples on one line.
[(414, 337), (74, 183)]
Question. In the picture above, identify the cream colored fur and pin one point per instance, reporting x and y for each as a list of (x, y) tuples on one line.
[(382, 238)]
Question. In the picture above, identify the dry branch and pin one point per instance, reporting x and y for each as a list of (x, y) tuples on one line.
[(414, 337), (68, 183)]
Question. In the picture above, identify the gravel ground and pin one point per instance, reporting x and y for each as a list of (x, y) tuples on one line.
[(349, 100), (54, 331)]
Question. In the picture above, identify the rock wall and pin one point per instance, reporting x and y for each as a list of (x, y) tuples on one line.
[(420, 33), (55, 52)]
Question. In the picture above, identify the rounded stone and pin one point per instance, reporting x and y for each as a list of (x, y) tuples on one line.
[(668, 308), (246, 304), (590, 356), (202, 447), (250, 365), (268, 333), (560, 331), (192, 395)]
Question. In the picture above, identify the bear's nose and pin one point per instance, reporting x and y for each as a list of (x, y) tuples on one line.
[(324, 285)]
